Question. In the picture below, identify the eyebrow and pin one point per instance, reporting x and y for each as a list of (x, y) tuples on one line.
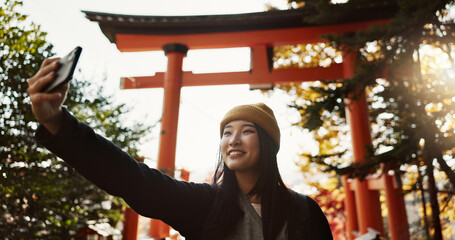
[(244, 125)]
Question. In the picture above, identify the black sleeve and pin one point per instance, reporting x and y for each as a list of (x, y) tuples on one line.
[(149, 192), (318, 224)]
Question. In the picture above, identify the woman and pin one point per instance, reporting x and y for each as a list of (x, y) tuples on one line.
[(247, 200)]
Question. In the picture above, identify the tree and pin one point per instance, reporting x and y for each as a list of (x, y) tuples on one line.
[(411, 100), (40, 195)]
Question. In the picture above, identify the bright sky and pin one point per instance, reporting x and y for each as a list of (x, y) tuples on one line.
[(201, 108)]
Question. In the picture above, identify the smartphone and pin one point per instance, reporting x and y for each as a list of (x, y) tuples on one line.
[(65, 71)]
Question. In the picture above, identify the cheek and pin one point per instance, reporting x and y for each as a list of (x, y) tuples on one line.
[(223, 144), (255, 148), (257, 155), (223, 147)]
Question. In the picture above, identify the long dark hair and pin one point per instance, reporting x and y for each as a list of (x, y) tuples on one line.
[(270, 188)]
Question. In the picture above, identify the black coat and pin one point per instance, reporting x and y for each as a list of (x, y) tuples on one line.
[(182, 205)]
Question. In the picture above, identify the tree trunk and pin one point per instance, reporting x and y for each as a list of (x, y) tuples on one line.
[(433, 198), (424, 205), (446, 168), (428, 156)]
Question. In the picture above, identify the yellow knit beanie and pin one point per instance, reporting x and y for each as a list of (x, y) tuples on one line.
[(258, 113)]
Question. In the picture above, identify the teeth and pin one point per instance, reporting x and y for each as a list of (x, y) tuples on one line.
[(235, 152)]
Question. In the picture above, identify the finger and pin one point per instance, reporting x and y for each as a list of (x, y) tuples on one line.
[(51, 67), (41, 82), (48, 61), (44, 97), (48, 65), (63, 89)]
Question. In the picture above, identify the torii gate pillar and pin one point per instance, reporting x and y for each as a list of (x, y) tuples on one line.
[(368, 206), (169, 121), (363, 207)]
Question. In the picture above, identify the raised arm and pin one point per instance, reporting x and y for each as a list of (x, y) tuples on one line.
[(149, 192)]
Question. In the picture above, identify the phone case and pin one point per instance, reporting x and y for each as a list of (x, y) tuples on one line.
[(65, 71)]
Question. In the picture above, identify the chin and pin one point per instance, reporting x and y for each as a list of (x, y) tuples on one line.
[(233, 167), (237, 168)]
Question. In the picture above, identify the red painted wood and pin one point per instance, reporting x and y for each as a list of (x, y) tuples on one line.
[(279, 76), (368, 206), (169, 119), (350, 209), (130, 224), (396, 209), (169, 122), (277, 37)]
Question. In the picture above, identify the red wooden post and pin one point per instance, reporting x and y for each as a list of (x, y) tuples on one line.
[(185, 175), (351, 214), (169, 121), (398, 222), (158, 229), (367, 201), (130, 225), (131, 220)]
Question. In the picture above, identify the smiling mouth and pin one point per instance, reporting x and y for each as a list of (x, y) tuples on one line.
[(235, 153)]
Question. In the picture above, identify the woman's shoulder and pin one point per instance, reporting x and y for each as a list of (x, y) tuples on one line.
[(304, 199), (313, 220)]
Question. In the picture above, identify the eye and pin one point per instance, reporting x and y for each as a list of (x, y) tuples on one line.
[(226, 133), (249, 131)]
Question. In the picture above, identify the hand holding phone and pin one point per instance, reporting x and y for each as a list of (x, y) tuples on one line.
[(65, 72), (47, 92)]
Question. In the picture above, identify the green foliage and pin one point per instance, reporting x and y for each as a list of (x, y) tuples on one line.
[(41, 197)]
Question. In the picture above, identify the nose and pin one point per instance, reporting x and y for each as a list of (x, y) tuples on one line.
[(235, 140)]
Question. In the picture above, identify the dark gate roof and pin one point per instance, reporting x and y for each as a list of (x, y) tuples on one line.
[(112, 24)]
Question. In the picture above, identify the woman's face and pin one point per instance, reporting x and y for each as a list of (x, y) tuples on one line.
[(240, 146)]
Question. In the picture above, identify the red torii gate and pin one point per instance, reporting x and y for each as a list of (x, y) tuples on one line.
[(259, 31)]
